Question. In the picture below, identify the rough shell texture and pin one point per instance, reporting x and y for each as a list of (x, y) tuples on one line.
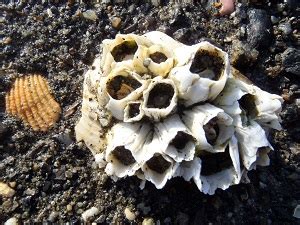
[(157, 109), (30, 100)]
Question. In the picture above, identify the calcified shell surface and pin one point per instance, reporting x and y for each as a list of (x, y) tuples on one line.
[(31, 101), (157, 109)]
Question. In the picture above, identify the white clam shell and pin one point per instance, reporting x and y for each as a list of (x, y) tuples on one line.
[(196, 118), (116, 106), (157, 113), (196, 87)]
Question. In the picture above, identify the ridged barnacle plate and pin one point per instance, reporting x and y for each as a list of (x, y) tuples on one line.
[(31, 101), (157, 109)]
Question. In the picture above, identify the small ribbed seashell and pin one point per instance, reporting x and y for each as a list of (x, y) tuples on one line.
[(30, 100)]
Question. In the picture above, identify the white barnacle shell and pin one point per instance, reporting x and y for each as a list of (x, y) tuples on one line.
[(210, 125), (122, 50), (159, 169), (162, 39), (189, 169), (156, 109), (253, 144), (133, 111), (125, 146), (90, 131), (201, 72), (160, 98), (90, 126), (123, 85), (159, 60), (268, 107), (227, 173), (175, 139), (252, 103)]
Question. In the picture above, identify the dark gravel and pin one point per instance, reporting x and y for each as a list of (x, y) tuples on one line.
[(56, 179)]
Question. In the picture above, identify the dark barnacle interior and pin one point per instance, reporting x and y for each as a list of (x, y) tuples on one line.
[(215, 162), (120, 86), (124, 51), (180, 140), (123, 155), (208, 64), (248, 107), (134, 109), (211, 130), (158, 164), (158, 57), (160, 96)]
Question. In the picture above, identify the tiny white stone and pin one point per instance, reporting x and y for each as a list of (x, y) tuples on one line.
[(148, 221), (129, 214), (5, 190), (50, 14), (90, 213), (90, 15), (11, 221)]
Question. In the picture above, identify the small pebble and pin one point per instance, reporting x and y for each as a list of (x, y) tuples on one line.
[(69, 208), (148, 221), (52, 217), (286, 28), (90, 15), (86, 215), (129, 214), (116, 22), (274, 20), (11, 221), (7, 40), (13, 184), (5, 190), (49, 12)]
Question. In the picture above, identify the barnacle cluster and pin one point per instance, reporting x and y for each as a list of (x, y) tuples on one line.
[(31, 101), (155, 108)]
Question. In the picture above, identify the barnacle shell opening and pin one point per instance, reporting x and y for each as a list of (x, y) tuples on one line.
[(200, 75), (159, 169), (176, 140), (122, 86), (121, 51), (124, 51), (160, 98), (208, 64), (157, 109), (160, 60), (210, 125), (133, 111)]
